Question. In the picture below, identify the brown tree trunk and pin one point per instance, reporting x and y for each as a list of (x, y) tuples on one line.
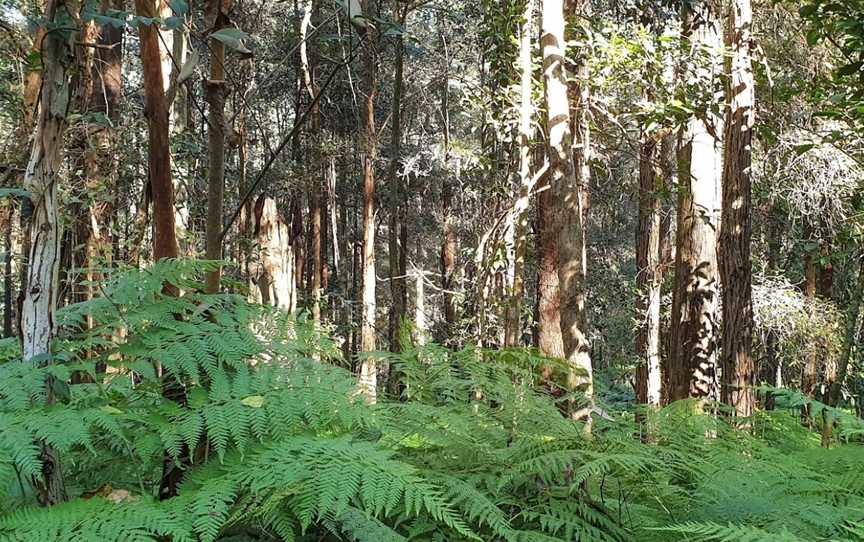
[(317, 259), (694, 326), (316, 269), (737, 339), (215, 90), (448, 256), (158, 156), (567, 177), (159, 162), (397, 247), (448, 244), (8, 286), (40, 180), (851, 330), (648, 274), (298, 245), (368, 365), (811, 364), (549, 339)]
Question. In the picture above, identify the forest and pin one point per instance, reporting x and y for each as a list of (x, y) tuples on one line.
[(431, 270)]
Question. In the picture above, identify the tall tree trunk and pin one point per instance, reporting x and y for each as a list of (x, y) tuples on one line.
[(315, 204), (40, 180), (215, 90), (6, 225), (835, 387), (513, 324), (99, 91), (567, 176), (368, 366), (849, 342), (159, 162), (317, 254), (548, 331), (274, 265), (772, 369), (811, 363), (448, 244), (397, 249), (737, 357), (648, 273), (692, 363), (333, 217), (298, 245), (159, 155)]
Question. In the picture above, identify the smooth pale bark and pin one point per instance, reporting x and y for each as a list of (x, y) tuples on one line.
[(170, 65), (648, 273), (397, 229), (420, 326), (737, 344), (368, 365), (513, 324), (274, 267), (215, 89), (333, 216), (567, 176), (40, 180), (158, 154), (694, 325)]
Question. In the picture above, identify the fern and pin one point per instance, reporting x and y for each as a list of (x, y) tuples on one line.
[(714, 532), (283, 448)]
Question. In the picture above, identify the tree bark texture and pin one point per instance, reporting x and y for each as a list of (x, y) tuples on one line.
[(215, 90), (694, 326), (567, 175), (737, 339), (159, 155), (513, 324), (368, 365), (41, 180)]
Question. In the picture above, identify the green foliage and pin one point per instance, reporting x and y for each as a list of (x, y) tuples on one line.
[(474, 448)]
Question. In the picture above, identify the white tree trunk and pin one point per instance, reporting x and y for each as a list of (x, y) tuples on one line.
[(568, 173), (513, 324), (419, 308), (275, 266), (40, 179)]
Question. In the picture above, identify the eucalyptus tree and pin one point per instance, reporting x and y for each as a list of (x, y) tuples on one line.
[(739, 373), (41, 179), (695, 319), (567, 175), (368, 366)]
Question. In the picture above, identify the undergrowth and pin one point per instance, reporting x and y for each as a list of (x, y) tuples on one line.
[(473, 448)]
